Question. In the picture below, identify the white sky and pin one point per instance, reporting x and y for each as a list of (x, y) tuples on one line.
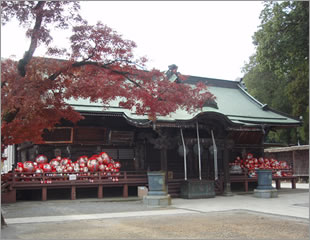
[(203, 38)]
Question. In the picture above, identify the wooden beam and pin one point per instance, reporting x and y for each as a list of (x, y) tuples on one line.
[(44, 193), (125, 191), (73, 192), (100, 191)]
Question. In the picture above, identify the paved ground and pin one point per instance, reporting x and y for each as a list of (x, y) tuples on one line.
[(238, 217)]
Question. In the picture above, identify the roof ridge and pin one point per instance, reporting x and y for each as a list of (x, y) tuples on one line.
[(208, 78)]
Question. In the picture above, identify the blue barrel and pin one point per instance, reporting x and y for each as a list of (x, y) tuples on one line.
[(264, 179)]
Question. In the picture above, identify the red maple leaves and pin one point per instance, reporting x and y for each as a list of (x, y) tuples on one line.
[(100, 66)]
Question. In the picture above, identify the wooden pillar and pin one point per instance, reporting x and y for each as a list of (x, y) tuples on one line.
[(246, 182), (73, 192), (246, 185), (164, 161), (125, 187), (262, 143), (44, 193), (192, 163), (227, 189), (8, 197), (100, 191), (293, 164), (125, 190), (293, 183)]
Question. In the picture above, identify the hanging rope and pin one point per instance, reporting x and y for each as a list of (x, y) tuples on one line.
[(215, 156), (199, 155), (184, 150)]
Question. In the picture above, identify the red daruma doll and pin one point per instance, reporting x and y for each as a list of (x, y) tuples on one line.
[(41, 159), (28, 166), (105, 158), (93, 165), (54, 163), (46, 167)]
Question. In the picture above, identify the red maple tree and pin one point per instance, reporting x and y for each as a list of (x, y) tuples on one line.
[(100, 65)]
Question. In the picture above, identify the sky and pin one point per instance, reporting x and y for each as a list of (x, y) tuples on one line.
[(203, 38)]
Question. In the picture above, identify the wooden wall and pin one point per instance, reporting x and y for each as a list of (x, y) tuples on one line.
[(297, 158)]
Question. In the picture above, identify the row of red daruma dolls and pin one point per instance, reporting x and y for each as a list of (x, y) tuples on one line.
[(100, 162), (252, 164)]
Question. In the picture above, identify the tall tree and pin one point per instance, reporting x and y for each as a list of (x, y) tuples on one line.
[(100, 65), (278, 73)]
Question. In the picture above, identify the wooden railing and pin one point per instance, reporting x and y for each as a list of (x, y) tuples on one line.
[(52, 180)]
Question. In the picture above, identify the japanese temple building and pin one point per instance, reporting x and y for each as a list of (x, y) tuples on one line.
[(185, 145)]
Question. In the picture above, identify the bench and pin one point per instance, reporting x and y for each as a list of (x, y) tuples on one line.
[(278, 180), (245, 179)]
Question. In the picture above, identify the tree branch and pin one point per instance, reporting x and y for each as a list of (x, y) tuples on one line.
[(106, 66), (34, 40)]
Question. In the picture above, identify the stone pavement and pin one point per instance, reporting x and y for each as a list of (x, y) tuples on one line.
[(116, 218)]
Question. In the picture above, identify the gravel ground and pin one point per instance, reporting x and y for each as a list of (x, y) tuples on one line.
[(214, 225), (204, 219), (69, 207)]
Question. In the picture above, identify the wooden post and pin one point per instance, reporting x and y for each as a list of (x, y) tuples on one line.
[(9, 197), (263, 141), (125, 191), (163, 161), (227, 188), (125, 187), (73, 192), (14, 179), (278, 184), (293, 163), (44, 193), (100, 191), (293, 183), (246, 183)]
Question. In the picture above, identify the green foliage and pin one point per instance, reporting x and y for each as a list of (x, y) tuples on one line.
[(278, 73)]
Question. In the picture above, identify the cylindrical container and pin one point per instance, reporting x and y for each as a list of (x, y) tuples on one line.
[(264, 179)]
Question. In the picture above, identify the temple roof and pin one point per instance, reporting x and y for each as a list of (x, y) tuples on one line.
[(233, 103)]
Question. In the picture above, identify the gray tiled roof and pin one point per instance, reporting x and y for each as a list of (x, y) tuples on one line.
[(232, 100)]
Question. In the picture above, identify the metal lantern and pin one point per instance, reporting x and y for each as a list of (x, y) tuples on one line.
[(195, 148), (181, 150)]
